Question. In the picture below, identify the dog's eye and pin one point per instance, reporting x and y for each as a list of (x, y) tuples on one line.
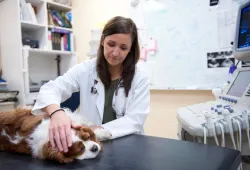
[(82, 149), (88, 137), (92, 136)]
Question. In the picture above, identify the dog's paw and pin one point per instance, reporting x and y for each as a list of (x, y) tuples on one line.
[(102, 134)]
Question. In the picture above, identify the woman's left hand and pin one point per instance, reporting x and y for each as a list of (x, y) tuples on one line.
[(76, 126), (96, 127)]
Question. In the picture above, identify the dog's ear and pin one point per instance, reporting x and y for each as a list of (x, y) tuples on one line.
[(75, 150), (86, 129), (83, 135), (54, 154), (86, 133)]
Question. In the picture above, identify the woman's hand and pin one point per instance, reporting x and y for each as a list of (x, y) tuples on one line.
[(96, 127), (60, 131)]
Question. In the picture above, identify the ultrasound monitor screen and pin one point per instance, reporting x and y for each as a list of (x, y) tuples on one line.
[(240, 84), (244, 28)]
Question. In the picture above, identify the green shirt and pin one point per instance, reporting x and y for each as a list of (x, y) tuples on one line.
[(109, 113)]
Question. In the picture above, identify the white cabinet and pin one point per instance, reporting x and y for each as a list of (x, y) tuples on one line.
[(24, 68)]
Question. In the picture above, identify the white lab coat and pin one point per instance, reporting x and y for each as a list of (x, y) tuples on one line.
[(81, 78)]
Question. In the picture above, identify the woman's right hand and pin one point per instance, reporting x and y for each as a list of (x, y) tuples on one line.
[(60, 131)]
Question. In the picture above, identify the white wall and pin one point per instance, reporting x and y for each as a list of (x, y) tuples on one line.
[(162, 121), (88, 13)]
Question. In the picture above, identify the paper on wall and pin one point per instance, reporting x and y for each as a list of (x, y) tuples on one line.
[(152, 46), (143, 53)]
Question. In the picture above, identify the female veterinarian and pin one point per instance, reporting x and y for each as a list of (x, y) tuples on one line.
[(114, 91)]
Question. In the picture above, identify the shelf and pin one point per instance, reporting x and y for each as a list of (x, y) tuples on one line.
[(34, 88), (41, 52), (58, 6), (35, 2), (61, 28), (30, 26)]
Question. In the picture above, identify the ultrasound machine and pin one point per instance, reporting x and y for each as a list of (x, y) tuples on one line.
[(225, 120)]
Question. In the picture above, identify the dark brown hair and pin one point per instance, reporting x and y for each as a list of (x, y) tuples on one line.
[(118, 25)]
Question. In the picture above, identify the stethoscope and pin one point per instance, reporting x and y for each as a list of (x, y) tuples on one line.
[(93, 88), (119, 85)]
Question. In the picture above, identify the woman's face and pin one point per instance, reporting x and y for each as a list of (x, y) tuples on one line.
[(116, 48)]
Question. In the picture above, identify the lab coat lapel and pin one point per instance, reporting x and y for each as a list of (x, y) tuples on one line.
[(100, 97)]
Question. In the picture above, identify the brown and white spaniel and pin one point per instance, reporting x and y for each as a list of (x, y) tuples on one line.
[(22, 132)]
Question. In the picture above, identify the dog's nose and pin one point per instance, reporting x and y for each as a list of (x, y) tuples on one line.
[(94, 148)]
